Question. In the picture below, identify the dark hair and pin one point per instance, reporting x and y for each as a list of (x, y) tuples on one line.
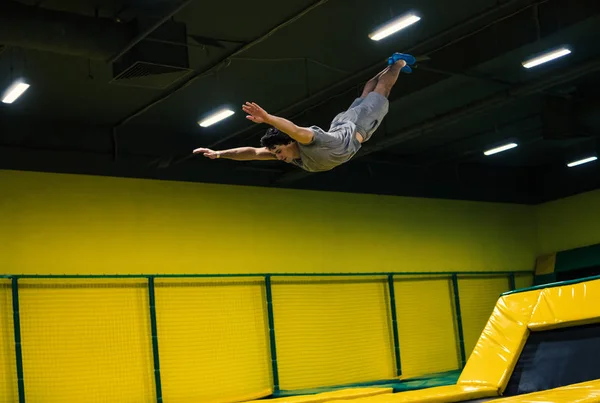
[(273, 137)]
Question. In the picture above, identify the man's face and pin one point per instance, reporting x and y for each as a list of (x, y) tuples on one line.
[(286, 153)]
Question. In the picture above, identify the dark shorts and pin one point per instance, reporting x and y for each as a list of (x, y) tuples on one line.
[(366, 113)]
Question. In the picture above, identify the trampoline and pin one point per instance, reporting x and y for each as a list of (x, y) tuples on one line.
[(556, 358)]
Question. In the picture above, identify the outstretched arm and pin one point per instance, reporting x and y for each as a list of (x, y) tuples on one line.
[(302, 135), (238, 154)]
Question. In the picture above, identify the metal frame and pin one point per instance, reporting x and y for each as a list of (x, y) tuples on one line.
[(232, 275), (155, 351), (17, 336), (459, 324), (394, 315), (272, 339)]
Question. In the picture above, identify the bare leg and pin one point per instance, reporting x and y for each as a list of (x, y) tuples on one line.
[(389, 78), (372, 83)]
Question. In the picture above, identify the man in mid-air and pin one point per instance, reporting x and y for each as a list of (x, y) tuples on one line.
[(312, 148)]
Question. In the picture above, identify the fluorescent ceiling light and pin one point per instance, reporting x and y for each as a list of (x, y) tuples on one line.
[(581, 162), (500, 149), (394, 26), (14, 92), (546, 57), (217, 117)]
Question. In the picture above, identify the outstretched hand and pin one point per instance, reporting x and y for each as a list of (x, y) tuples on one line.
[(207, 152), (255, 112)]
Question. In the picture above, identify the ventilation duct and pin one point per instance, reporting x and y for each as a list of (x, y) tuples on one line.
[(61, 32), (156, 62), (146, 53)]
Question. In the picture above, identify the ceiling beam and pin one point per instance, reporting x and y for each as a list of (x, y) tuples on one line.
[(201, 73)]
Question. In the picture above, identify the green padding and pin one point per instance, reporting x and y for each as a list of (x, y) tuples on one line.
[(551, 285), (443, 379), (446, 379), (579, 258)]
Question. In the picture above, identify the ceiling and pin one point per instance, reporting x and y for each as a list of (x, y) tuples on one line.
[(92, 110)]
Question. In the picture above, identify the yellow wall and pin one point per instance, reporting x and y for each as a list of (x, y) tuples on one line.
[(78, 224), (54, 223), (569, 223)]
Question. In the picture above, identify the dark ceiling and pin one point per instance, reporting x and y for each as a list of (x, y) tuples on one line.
[(118, 86)]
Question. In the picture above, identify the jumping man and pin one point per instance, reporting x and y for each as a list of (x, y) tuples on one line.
[(312, 148)]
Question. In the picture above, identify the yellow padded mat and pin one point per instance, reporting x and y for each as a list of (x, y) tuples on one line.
[(442, 394), (569, 305), (586, 392), (352, 394), (501, 342)]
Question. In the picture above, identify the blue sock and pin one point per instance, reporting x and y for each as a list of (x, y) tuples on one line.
[(409, 59)]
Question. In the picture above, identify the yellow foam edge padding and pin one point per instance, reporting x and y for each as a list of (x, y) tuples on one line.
[(501, 342), (351, 394), (569, 305), (442, 394), (586, 392)]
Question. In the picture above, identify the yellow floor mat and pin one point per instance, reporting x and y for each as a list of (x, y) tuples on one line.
[(442, 394)]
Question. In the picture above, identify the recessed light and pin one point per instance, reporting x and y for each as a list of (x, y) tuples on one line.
[(13, 92), (216, 117), (582, 161), (500, 149), (394, 26), (546, 57)]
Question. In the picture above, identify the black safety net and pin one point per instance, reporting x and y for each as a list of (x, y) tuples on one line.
[(556, 358)]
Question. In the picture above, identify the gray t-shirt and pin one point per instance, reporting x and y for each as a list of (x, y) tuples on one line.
[(328, 149)]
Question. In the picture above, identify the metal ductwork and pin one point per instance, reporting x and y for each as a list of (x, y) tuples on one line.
[(61, 32), (137, 61)]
